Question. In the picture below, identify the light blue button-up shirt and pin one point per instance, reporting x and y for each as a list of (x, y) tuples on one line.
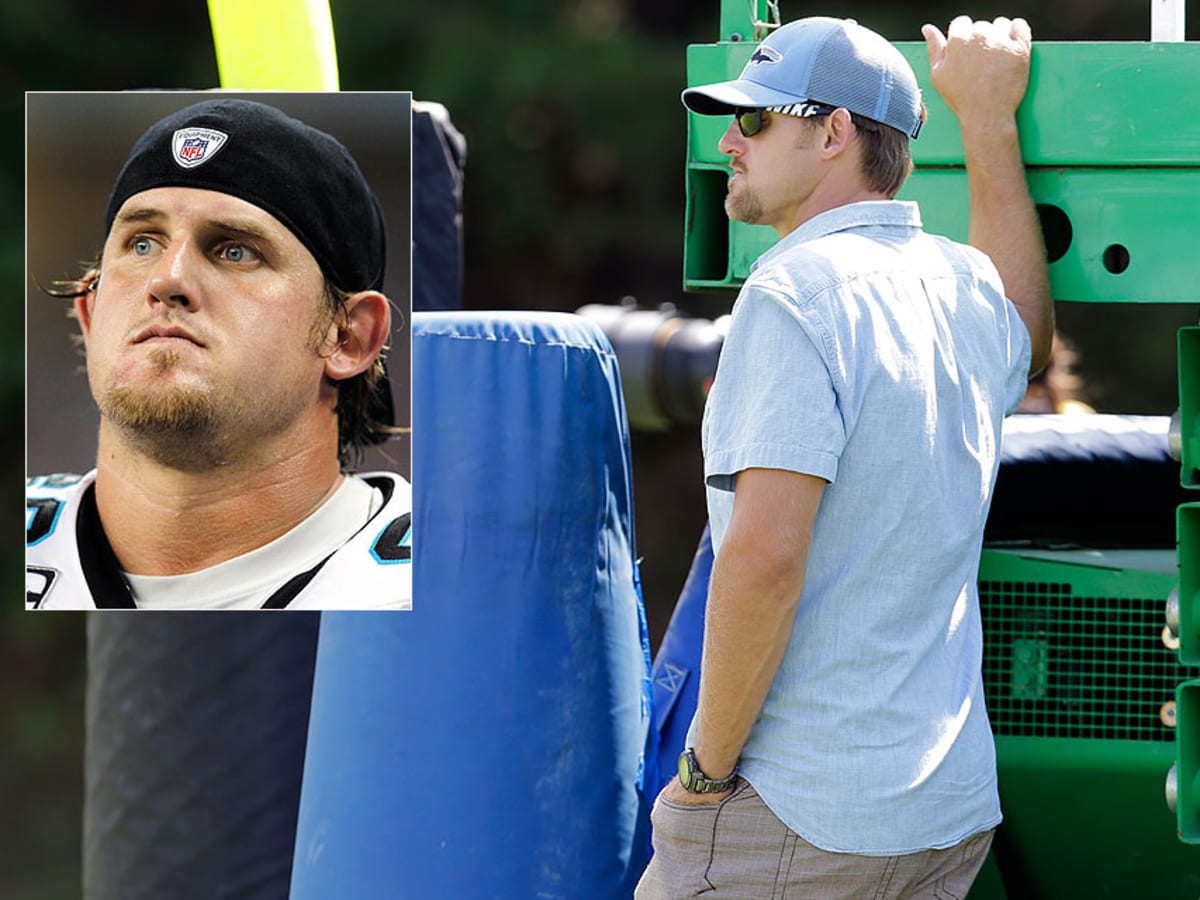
[(883, 360)]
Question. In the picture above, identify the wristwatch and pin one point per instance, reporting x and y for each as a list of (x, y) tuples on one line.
[(696, 782)]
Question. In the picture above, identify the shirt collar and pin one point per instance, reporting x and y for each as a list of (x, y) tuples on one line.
[(903, 213)]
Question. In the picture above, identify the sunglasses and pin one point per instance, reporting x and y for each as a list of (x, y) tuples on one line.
[(750, 121)]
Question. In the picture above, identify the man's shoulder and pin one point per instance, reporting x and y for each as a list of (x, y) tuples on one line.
[(53, 573), (804, 276), (806, 267), (372, 570), (855, 257), (962, 253)]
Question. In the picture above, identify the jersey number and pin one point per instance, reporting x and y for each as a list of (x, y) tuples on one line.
[(394, 544), (44, 513)]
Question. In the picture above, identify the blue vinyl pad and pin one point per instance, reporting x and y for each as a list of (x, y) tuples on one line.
[(491, 743)]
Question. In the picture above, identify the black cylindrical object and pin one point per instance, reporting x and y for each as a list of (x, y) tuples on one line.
[(667, 360), (196, 729), (1086, 480)]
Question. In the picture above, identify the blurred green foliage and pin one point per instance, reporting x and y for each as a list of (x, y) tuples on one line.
[(573, 195), (41, 758)]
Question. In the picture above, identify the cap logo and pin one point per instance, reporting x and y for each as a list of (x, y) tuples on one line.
[(192, 146), (765, 55)]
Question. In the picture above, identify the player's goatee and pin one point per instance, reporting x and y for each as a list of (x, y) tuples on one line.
[(175, 409), (743, 206), (162, 411)]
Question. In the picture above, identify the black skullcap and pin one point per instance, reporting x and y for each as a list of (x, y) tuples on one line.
[(301, 176)]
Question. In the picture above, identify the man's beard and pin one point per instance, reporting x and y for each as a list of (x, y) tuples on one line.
[(176, 424), (743, 206)]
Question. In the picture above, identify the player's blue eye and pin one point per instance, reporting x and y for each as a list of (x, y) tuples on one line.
[(142, 246), (236, 253)]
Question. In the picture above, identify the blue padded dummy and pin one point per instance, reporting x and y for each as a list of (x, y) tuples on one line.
[(676, 674), (489, 744)]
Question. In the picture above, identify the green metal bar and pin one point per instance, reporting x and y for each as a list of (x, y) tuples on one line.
[(1112, 235), (1187, 762), (1189, 406), (1088, 104), (1187, 523)]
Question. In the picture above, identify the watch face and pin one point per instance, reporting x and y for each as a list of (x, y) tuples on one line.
[(685, 772)]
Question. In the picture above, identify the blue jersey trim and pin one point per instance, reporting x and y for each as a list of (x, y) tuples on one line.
[(405, 541), (32, 511)]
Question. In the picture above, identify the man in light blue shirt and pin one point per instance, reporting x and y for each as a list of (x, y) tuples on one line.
[(851, 439)]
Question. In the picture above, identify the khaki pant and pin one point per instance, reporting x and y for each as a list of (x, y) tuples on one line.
[(737, 848)]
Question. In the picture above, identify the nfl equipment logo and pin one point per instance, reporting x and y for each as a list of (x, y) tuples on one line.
[(192, 146)]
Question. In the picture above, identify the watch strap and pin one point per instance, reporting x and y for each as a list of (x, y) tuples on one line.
[(695, 781)]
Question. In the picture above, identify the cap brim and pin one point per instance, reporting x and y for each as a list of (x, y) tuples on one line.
[(722, 98)]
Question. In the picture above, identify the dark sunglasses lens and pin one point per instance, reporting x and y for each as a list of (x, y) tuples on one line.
[(750, 121)]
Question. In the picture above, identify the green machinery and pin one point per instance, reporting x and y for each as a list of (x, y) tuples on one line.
[(1092, 707)]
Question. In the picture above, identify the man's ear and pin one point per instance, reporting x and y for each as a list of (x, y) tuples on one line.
[(86, 301), (362, 331), (838, 132)]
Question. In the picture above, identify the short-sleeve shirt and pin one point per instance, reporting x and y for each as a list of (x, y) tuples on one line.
[(883, 360)]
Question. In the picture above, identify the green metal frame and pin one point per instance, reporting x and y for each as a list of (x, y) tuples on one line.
[(1073, 651), (1187, 762), (1187, 524), (1106, 140), (1189, 406)]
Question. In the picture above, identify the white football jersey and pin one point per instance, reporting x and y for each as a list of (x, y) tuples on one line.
[(70, 565)]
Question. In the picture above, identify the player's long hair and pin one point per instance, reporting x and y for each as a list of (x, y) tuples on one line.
[(357, 429)]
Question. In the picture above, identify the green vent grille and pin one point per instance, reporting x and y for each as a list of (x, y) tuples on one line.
[(1066, 666)]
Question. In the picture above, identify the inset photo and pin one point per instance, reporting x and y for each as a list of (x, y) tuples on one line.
[(218, 351)]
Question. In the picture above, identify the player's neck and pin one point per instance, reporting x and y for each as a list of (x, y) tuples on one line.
[(830, 195), (161, 520)]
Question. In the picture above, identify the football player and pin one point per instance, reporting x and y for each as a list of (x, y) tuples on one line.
[(234, 330)]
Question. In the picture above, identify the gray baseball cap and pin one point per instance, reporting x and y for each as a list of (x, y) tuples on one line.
[(832, 61)]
